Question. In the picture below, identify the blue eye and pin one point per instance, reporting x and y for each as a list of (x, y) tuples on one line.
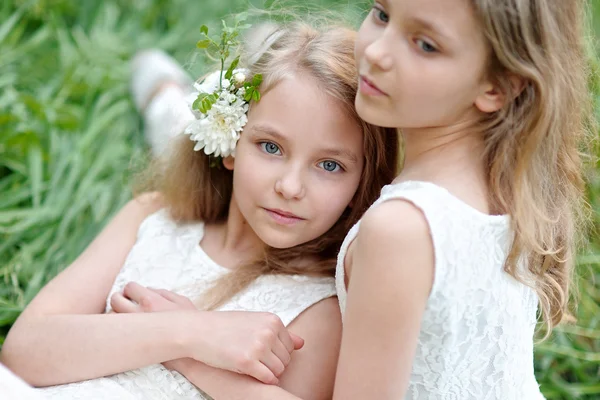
[(270, 148), (380, 15), (330, 166), (426, 47)]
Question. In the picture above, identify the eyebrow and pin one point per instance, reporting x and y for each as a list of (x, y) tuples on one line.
[(423, 23), (267, 130), (333, 152), (343, 153), (432, 27)]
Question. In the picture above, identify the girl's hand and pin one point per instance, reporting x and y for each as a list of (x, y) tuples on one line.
[(137, 298), (250, 343)]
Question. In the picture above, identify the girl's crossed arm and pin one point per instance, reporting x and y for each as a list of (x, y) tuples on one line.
[(309, 375), (63, 335)]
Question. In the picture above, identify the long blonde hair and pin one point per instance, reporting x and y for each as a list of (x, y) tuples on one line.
[(193, 191), (534, 142)]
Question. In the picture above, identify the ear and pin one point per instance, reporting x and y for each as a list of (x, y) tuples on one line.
[(228, 163), (493, 97)]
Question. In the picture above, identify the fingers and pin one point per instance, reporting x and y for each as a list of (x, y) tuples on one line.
[(120, 304), (286, 340), (284, 344), (156, 300), (269, 353), (280, 351), (290, 340), (271, 361), (167, 294), (298, 341), (258, 371), (279, 341), (136, 292), (148, 300), (175, 298)]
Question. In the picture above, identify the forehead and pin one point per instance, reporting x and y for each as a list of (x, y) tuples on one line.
[(299, 108)]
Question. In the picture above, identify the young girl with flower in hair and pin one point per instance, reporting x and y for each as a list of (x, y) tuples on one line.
[(246, 226)]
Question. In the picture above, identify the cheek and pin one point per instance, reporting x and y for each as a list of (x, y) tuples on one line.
[(364, 37), (428, 89), (248, 175), (334, 199), (358, 50), (450, 80)]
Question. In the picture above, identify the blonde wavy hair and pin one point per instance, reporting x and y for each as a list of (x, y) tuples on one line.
[(534, 141), (194, 191)]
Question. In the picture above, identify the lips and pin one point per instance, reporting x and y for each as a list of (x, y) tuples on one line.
[(283, 213), (283, 217), (368, 87)]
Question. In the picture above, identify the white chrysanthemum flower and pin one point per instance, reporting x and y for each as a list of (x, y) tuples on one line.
[(218, 131), (231, 98)]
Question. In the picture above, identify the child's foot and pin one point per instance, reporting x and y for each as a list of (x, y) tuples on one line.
[(159, 87)]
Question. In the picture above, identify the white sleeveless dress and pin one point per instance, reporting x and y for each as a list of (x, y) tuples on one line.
[(13, 387), (167, 255), (476, 338)]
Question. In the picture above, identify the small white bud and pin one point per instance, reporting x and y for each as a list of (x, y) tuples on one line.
[(239, 78)]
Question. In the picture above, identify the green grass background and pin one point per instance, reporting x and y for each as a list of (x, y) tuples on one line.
[(69, 133)]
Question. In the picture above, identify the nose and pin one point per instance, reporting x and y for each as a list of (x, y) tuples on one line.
[(378, 54), (290, 184)]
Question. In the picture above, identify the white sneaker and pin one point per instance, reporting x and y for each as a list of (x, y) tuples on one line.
[(159, 87), (258, 39)]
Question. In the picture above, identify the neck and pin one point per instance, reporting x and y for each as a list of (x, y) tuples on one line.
[(234, 242), (451, 157), (458, 148), (238, 236)]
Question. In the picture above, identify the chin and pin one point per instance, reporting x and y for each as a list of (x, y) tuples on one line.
[(279, 241), (372, 113)]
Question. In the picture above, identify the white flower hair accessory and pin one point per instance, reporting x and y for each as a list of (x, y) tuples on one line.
[(220, 103)]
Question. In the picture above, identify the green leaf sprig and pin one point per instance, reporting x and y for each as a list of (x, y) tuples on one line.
[(220, 50)]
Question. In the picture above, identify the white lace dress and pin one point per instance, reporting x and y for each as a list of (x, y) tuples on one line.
[(476, 338), (167, 255)]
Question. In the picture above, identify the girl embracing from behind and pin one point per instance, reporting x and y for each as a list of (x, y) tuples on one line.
[(441, 282)]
